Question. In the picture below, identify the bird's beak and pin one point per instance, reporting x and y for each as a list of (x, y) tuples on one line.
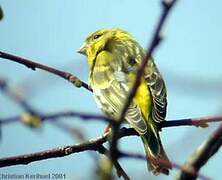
[(83, 49)]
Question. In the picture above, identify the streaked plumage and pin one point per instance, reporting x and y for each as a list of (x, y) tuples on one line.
[(114, 56)]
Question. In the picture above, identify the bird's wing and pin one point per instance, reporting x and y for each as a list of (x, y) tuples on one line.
[(111, 90), (158, 91), (156, 86), (111, 100)]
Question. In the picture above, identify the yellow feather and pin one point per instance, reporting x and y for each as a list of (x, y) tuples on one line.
[(143, 99)]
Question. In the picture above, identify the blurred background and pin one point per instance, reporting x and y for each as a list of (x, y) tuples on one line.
[(50, 32)]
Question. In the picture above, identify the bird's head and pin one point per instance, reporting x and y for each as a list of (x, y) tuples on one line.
[(101, 40)]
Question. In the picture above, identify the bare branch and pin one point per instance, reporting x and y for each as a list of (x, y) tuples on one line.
[(33, 65), (187, 170), (202, 122), (198, 122), (57, 115), (89, 145), (156, 38), (195, 121), (73, 79), (14, 96), (76, 133), (202, 154), (92, 144)]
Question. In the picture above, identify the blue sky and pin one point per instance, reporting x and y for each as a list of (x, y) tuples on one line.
[(50, 32)]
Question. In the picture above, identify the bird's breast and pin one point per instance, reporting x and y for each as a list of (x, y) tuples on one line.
[(102, 77), (109, 92)]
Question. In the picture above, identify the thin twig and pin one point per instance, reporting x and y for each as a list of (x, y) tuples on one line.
[(64, 114), (76, 133), (14, 96), (92, 144), (73, 79), (156, 38), (190, 169), (202, 154), (59, 152), (187, 170), (33, 65), (199, 122), (84, 116), (166, 5)]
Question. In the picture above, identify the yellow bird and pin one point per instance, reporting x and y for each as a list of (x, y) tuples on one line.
[(114, 56)]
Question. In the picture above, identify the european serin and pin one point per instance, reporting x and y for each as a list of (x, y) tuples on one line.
[(114, 56)]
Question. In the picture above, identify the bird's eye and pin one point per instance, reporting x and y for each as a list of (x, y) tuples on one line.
[(96, 36)]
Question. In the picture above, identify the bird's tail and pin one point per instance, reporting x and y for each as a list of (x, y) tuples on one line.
[(157, 160)]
